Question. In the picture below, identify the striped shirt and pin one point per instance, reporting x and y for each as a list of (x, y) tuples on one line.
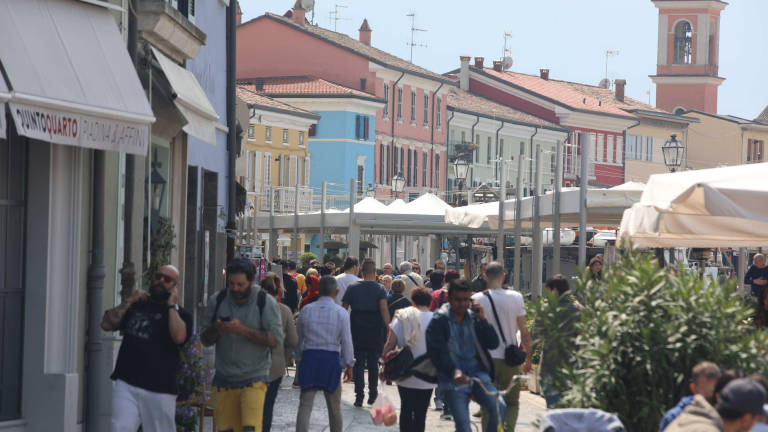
[(324, 325)]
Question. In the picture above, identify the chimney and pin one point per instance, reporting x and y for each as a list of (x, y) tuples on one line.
[(464, 73), (620, 84), (365, 32), (544, 74), (258, 83), (238, 14), (299, 14), (497, 65), (479, 62)]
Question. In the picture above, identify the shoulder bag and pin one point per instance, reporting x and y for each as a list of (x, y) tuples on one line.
[(513, 355)]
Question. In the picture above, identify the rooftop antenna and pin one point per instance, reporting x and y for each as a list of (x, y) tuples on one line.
[(506, 54), (309, 5), (413, 33), (334, 15), (609, 53)]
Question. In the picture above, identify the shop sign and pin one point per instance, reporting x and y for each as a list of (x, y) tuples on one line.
[(61, 127)]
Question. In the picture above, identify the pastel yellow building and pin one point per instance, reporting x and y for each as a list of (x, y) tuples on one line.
[(643, 155), (718, 140), (274, 165)]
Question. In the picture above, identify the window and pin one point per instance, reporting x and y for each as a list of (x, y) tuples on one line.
[(487, 150), (634, 147), (363, 82), (401, 159), (250, 132), (413, 106), (399, 104), (649, 149), (267, 169), (611, 148), (248, 165), (755, 150), (361, 127), (683, 43), (285, 136), (619, 148), (386, 100), (306, 170), (437, 170), (426, 109), (601, 150), (424, 169), (439, 117), (268, 134), (301, 139), (258, 163), (313, 130)]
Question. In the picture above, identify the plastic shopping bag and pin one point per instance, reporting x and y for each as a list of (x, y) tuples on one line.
[(383, 412)]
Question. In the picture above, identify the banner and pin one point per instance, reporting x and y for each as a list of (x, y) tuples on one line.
[(80, 130)]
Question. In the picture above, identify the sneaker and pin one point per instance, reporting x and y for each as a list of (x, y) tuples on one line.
[(438, 405), (446, 416), (371, 399), (358, 402)]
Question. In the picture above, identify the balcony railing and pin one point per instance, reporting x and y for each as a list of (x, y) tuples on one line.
[(283, 199), (460, 148)]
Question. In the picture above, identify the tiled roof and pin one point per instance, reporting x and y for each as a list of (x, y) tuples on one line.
[(253, 98), (763, 117), (374, 54), (302, 85), (467, 102), (608, 96), (560, 92)]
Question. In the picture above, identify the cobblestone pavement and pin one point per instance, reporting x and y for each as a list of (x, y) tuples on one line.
[(358, 420)]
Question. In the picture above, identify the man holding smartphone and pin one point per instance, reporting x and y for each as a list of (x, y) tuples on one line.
[(244, 323), (458, 341), (153, 327)]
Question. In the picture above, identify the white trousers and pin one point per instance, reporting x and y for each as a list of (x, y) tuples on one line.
[(133, 406)]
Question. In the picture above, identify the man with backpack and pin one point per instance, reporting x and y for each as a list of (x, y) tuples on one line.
[(244, 323)]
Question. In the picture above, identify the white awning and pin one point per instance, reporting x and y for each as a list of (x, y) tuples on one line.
[(190, 99), (70, 76)]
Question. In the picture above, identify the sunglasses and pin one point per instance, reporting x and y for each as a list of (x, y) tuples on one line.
[(165, 278)]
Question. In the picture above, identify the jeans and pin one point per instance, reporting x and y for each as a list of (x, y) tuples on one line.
[(133, 406), (269, 404), (366, 358), (505, 374), (239, 409), (551, 395), (458, 399), (332, 401), (413, 408)]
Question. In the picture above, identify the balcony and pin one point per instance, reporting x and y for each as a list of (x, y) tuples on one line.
[(460, 148), (169, 25), (284, 199)]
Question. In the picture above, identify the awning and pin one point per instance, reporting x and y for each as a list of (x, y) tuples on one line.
[(190, 99), (70, 76), (4, 96)]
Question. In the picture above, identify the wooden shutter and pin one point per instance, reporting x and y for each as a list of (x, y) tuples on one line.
[(366, 135)]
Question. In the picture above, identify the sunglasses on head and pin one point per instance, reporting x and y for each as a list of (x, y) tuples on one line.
[(164, 277)]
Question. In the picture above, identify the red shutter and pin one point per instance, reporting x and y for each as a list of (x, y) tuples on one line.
[(313, 130)]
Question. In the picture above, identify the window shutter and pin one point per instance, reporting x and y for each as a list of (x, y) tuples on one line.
[(313, 130), (282, 170), (357, 127), (366, 136), (267, 169), (191, 14), (259, 161), (306, 170)]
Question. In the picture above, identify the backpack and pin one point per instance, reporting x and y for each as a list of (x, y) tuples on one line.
[(261, 300)]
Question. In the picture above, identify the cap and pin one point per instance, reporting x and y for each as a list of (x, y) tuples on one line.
[(743, 395)]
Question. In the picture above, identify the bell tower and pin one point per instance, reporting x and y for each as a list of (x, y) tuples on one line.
[(689, 46)]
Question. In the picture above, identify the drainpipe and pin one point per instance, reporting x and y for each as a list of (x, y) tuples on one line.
[(393, 119), (447, 132), (530, 163), (624, 154), (432, 132), (232, 134), (500, 151), (97, 401)]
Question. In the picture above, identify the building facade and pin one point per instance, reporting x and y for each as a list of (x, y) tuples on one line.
[(688, 55), (720, 140), (410, 131)]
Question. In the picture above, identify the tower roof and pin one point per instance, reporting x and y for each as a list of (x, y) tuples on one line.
[(365, 26)]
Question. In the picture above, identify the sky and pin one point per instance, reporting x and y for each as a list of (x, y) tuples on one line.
[(568, 37)]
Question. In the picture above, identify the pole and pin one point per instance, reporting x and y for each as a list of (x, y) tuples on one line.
[(98, 401), (272, 232), (518, 228), (743, 257), (296, 222), (232, 134), (583, 180), (556, 208), (353, 235), (538, 244), (322, 221), (502, 197)]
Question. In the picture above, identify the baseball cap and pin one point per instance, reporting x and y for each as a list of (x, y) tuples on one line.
[(743, 395)]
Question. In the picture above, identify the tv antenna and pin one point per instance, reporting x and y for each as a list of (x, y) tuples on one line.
[(334, 15), (413, 33), (309, 5), (506, 54), (609, 53)]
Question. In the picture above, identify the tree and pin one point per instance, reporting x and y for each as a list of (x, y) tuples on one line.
[(306, 258), (642, 330)]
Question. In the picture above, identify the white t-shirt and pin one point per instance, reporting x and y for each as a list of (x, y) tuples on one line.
[(343, 281), (411, 282), (419, 349), (509, 305)]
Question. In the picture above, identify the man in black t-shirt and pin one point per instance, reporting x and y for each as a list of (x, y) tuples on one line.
[(290, 287), (153, 327), (369, 319)]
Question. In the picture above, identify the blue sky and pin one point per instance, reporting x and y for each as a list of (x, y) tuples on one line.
[(568, 37)]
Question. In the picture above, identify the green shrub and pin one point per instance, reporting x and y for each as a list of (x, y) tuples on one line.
[(306, 258), (642, 330)]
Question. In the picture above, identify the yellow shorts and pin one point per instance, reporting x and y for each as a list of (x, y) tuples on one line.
[(239, 409)]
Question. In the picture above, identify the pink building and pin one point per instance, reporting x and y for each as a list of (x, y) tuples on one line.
[(411, 134)]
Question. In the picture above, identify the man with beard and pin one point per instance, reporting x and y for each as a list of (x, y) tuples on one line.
[(153, 327), (244, 323)]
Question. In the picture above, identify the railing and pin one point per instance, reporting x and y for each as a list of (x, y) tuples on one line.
[(460, 148), (283, 199)]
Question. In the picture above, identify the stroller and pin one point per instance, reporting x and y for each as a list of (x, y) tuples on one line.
[(578, 420)]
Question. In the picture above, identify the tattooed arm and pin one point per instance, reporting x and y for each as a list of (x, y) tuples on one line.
[(112, 317)]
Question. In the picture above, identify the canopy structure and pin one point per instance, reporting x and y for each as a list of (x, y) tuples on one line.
[(720, 207), (70, 76), (604, 207), (4, 96)]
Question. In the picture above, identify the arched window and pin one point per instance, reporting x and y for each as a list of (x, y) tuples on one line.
[(683, 43)]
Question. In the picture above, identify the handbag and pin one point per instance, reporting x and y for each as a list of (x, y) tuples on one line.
[(396, 364), (513, 355)]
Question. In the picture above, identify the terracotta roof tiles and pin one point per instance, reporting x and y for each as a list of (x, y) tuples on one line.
[(301, 85), (253, 98), (464, 101), (763, 117)]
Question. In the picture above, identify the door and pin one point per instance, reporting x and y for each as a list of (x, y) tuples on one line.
[(13, 161)]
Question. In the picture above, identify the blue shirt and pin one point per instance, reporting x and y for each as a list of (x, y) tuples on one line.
[(674, 413), (463, 351), (324, 325)]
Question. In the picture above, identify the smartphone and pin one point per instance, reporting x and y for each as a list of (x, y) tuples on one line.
[(473, 305), (225, 319)]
